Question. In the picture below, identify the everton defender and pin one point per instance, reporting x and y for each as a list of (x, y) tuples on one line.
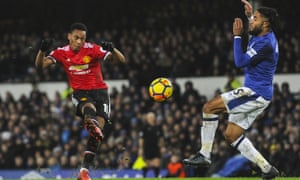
[(244, 104)]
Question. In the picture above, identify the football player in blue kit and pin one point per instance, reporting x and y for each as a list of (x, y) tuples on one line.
[(244, 104)]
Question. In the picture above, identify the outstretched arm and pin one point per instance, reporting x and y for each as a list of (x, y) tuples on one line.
[(41, 61), (241, 59), (115, 55)]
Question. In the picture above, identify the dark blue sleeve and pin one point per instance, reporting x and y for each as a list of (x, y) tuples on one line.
[(258, 51), (263, 53), (241, 59)]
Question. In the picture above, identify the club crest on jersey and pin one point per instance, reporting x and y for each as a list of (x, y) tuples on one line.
[(86, 59)]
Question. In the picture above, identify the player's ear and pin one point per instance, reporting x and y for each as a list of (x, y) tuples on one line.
[(266, 24)]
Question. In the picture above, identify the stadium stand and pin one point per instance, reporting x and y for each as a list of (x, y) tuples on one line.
[(174, 39)]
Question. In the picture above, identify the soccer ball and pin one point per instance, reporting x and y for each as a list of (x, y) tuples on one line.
[(160, 89)]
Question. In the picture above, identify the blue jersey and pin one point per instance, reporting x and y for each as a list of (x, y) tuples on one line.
[(259, 62)]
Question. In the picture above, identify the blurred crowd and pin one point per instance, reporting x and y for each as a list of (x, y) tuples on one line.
[(178, 39), (37, 132)]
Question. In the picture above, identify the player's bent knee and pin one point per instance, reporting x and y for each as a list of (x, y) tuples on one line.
[(207, 108), (210, 108), (214, 106), (229, 137), (89, 112)]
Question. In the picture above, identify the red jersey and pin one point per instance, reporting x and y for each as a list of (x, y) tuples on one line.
[(83, 67)]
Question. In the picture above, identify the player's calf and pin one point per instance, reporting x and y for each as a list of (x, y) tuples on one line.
[(91, 124), (93, 127)]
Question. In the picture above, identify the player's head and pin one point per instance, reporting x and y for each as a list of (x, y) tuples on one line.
[(265, 19), (77, 36)]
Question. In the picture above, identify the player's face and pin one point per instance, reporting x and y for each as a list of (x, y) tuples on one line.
[(257, 24), (76, 39)]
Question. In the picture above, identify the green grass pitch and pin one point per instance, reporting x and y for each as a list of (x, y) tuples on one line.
[(196, 178)]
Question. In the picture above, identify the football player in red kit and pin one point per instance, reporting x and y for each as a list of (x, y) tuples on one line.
[(81, 61)]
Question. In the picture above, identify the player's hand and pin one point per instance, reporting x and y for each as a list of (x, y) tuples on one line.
[(108, 46), (46, 44), (248, 8), (237, 28)]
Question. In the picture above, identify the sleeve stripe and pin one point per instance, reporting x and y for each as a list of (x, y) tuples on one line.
[(108, 53), (52, 58), (251, 52)]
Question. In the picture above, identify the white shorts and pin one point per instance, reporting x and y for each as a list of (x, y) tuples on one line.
[(243, 106)]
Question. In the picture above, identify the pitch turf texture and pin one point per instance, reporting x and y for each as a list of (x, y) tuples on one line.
[(197, 178)]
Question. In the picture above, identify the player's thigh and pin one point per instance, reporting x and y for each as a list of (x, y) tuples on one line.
[(243, 100), (81, 99), (214, 106), (245, 115), (102, 102)]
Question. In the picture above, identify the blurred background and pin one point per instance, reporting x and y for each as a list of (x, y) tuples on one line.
[(189, 39)]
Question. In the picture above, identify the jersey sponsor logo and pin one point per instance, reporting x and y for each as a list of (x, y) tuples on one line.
[(78, 67), (81, 72)]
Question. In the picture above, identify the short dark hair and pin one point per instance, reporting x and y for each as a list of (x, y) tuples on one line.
[(79, 26), (271, 14)]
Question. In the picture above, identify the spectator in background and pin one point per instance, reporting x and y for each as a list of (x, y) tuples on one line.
[(189, 90), (149, 144), (176, 91), (175, 167), (232, 83), (18, 162), (189, 126), (81, 62)]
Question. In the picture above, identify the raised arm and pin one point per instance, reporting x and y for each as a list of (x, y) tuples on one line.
[(248, 8), (41, 61), (241, 59), (116, 55)]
